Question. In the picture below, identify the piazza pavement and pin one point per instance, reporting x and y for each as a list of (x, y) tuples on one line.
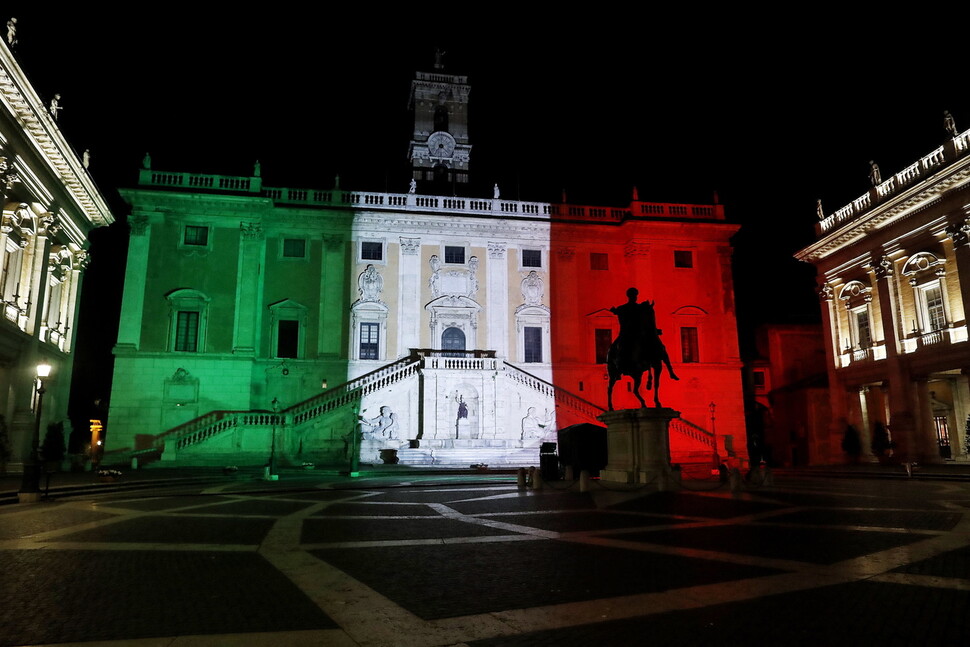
[(864, 557)]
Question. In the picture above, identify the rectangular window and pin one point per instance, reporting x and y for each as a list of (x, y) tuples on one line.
[(683, 258), (187, 331), (371, 251), (294, 248), (862, 328), (688, 345), (288, 338), (531, 258), (533, 345), (604, 339), (198, 236), (454, 254), (936, 317), (369, 335), (599, 261)]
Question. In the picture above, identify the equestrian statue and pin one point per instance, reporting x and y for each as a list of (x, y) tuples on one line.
[(637, 349)]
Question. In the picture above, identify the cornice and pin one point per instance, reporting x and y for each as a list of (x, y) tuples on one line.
[(915, 199), (43, 135)]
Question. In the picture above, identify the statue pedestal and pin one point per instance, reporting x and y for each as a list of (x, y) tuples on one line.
[(637, 447)]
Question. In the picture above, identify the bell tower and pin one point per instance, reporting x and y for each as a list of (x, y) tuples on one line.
[(439, 150)]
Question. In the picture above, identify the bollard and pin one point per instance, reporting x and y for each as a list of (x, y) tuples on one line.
[(734, 478), (134, 462), (569, 476), (530, 479), (584, 481), (537, 480), (520, 478)]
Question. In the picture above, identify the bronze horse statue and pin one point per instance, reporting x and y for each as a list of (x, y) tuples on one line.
[(637, 349)]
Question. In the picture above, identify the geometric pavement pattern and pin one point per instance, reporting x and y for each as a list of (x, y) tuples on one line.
[(453, 562)]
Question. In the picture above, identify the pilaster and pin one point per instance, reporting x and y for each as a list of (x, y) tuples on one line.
[(249, 283), (136, 275), (497, 282)]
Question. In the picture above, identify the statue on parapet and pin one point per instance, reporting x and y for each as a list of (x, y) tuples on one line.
[(637, 349), (949, 123), (12, 33), (874, 175)]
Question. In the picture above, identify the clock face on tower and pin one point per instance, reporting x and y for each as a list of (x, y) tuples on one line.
[(441, 144)]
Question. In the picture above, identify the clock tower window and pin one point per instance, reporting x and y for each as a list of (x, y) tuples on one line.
[(441, 118)]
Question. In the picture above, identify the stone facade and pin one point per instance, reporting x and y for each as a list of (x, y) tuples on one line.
[(894, 274), (450, 329), (49, 206)]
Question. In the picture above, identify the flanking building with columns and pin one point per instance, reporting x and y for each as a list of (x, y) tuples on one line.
[(444, 329), (50, 204), (894, 268)]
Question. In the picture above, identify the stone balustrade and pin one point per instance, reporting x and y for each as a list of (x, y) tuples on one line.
[(910, 175)]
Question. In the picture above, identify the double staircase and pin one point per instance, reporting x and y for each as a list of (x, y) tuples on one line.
[(182, 443)]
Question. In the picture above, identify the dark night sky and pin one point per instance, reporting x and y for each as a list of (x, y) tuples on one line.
[(771, 120)]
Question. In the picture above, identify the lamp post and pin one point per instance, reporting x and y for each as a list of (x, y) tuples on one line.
[(30, 485), (712, 407)]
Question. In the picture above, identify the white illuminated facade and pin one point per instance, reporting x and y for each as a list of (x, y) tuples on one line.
[(894, 268), (50, 204)]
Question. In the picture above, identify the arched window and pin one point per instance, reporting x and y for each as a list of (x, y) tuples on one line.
[(453, 339)]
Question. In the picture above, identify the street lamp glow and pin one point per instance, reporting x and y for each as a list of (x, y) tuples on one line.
[(43, 369)]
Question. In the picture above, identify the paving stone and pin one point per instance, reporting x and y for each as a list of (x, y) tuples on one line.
[(527, 502), (910, 519), (462, 579), (318, 530), (955, 563), (861, 613), (813, 545), (326, 495), (51, 517), (53, 596), (694, 505), (262, 507), (585, 521), (367, 509), (183, 530), (438, 495), (159, 504)]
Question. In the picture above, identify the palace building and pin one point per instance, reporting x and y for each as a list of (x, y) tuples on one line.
[(50, 205), (894, 267), (446, 330)]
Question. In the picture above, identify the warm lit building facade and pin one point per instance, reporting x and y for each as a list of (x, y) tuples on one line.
[(50, 204), (460, 329), (894, 266)]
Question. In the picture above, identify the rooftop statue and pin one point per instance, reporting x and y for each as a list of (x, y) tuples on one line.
[(56, 106), (818, 209), (874, 175), (12, 33), (637, 349), (949, 123)]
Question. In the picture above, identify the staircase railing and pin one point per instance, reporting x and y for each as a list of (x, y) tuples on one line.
[(560, 395), (353, 390), (695, 432)]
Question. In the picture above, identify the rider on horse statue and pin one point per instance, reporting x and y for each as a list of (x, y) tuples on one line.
[(637, 349), (639, 336)]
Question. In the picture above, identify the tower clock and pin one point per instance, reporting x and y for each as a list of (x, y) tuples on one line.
[(440, 151)]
